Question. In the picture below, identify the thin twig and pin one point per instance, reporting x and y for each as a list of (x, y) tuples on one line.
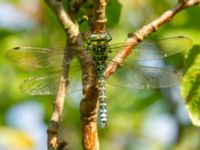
[(139, 35), (53, 139), (71, 29)]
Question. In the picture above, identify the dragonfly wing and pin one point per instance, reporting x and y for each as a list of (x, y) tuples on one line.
[(143, 77), (41, 85), (164, 47), (151, 50), (47, 85), (31, 58)]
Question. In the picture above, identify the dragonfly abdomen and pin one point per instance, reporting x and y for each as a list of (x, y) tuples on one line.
[(100, 64), (102, 102)]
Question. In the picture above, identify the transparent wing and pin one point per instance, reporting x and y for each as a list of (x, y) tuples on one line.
[(143, 77), (41, 85), (151, 50), (48, 85), (31, 58)]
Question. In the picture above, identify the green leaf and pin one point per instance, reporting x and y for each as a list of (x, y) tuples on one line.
[(190, 86), (113, 11), (4, 33)]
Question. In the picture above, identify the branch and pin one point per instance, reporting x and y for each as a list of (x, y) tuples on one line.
[(72, 31), (145, 31), (98, 24), (53, 140), (89, 105)]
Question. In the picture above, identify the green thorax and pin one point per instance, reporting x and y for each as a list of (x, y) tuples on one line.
[(99, 46)]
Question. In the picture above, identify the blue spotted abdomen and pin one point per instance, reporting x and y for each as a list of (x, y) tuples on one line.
[(102, 102)]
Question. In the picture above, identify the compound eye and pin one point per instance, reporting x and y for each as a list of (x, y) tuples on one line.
[(93, 37), (104, 36)]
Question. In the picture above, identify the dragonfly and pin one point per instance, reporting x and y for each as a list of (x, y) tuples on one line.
[(130, 74)]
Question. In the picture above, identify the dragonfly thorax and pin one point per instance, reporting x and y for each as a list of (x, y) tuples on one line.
[(98, 44), (100, 54)]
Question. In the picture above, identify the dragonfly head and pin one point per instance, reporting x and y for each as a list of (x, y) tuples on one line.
[(95, 37)]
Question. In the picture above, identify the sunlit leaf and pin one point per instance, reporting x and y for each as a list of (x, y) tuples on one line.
[(190, 87)]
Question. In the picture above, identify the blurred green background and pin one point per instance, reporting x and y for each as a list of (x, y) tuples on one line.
[(138, 120)]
